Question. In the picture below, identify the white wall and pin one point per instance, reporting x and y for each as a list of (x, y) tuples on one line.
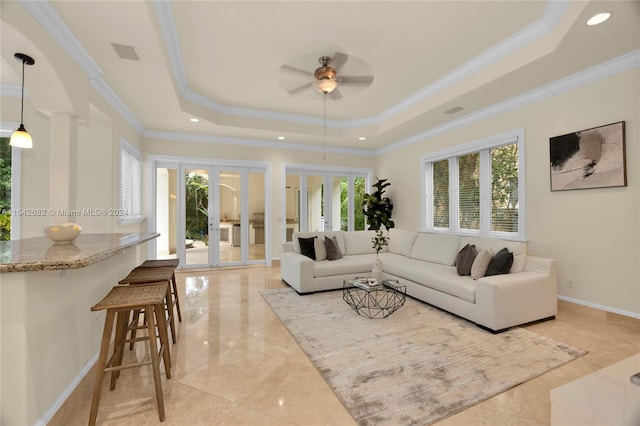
[(592, 233)]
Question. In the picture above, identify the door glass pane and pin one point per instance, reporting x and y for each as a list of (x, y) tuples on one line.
[(230, 210), (340, 203), (197, 217), (292, 216), (166, 212), (358, 196), (315, 203), (256, 215), (5, 189)]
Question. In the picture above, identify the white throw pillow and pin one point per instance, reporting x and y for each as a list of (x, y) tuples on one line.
[(481, 263), (321, 248)]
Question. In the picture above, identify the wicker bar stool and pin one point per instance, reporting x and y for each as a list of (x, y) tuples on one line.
[(119, 303), (166, 263), (149, 275)]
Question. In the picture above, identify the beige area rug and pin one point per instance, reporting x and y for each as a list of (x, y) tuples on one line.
[(418, 365)]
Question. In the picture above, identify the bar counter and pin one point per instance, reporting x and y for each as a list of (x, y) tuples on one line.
[(42, 254), (49, 337)]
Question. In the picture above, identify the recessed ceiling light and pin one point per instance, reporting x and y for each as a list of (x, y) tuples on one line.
[(194, 120), (362, 138), (599, 18), (281, 138)]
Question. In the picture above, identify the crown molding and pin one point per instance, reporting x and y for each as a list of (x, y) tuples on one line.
[(553, 11), (51, 21), (254, 143), (116, 103), (12, 91), (599, 72)]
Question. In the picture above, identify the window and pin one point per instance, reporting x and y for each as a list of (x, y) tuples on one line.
[(130, 182), (476, 188)]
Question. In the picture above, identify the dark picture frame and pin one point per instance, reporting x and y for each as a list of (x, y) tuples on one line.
[(590, 158)]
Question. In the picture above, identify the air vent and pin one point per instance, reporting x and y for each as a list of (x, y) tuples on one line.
[(454, 110), (125, 52)]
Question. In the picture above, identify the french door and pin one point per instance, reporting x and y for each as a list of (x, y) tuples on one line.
[(323, 201), (210, 215)]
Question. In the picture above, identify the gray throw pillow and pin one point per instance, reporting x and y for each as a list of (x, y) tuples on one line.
[(501, 263), (465, 258), (307, 247), (333, 249)]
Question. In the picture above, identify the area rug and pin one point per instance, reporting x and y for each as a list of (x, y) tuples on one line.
[(415, 367)]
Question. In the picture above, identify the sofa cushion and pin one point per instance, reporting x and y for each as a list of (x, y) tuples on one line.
[(333, 249), (519, 249), (481, 263), (401, 241), (359, 242), (359, 264), (307, 247), (438, 248), (464, 260), (433, 275), (501, 263)]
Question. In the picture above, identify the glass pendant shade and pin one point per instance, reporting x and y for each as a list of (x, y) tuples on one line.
[(21, 138), (325, 85)]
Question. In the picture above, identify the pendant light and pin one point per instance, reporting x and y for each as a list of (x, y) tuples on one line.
[(21, 138)]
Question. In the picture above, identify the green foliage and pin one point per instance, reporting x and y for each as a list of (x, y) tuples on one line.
[(5, 189), (379, 241), (358, 196), (504, 188), (197, 207), (377, 208)]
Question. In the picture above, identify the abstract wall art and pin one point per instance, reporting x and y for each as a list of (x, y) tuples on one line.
[(590, 158)]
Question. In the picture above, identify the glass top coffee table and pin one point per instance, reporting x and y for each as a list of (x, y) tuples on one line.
[(376, 302)]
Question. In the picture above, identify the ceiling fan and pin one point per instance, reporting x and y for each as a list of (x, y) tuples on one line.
[(326, 78)]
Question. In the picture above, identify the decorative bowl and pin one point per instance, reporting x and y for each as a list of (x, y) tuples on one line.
[(63, 233)]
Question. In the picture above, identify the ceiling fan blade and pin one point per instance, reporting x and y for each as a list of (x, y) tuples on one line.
[(335, 94), (294, 70), (338, 60), (300, 89), (362, 80)]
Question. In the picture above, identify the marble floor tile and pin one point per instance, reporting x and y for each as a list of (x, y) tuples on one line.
[(235, 364)]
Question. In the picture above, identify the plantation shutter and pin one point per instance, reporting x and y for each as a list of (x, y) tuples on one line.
[(469, 191), (440, 180), (130, 182)]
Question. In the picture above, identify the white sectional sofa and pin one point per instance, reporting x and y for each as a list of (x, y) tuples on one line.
[(424, 262)]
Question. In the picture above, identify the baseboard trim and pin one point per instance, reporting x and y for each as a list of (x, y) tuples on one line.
[(46, 418), (600, 307)]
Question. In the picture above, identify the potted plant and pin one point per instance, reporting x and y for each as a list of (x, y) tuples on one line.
[(377, 208)]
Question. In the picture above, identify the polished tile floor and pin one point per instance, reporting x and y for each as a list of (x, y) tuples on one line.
[(235, 364)]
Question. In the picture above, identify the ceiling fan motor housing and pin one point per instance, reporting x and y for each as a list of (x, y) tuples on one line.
[(325, 73)]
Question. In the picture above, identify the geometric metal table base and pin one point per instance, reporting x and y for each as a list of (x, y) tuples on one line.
[(374, 303)]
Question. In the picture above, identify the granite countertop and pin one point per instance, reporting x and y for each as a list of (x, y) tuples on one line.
[(41, 254)]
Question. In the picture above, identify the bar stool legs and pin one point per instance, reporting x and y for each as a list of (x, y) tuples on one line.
[(119, 303)]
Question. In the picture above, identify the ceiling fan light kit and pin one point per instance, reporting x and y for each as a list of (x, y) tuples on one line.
[(326, 78)]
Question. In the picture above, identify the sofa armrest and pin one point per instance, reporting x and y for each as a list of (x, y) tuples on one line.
[(518, 298), (297, 270), (287, 247)]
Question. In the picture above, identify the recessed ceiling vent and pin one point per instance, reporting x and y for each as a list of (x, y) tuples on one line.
[(454, 110), (125, 52)]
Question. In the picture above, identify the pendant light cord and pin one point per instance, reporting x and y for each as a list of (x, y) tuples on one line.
[(22, 98), (324, 148)]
